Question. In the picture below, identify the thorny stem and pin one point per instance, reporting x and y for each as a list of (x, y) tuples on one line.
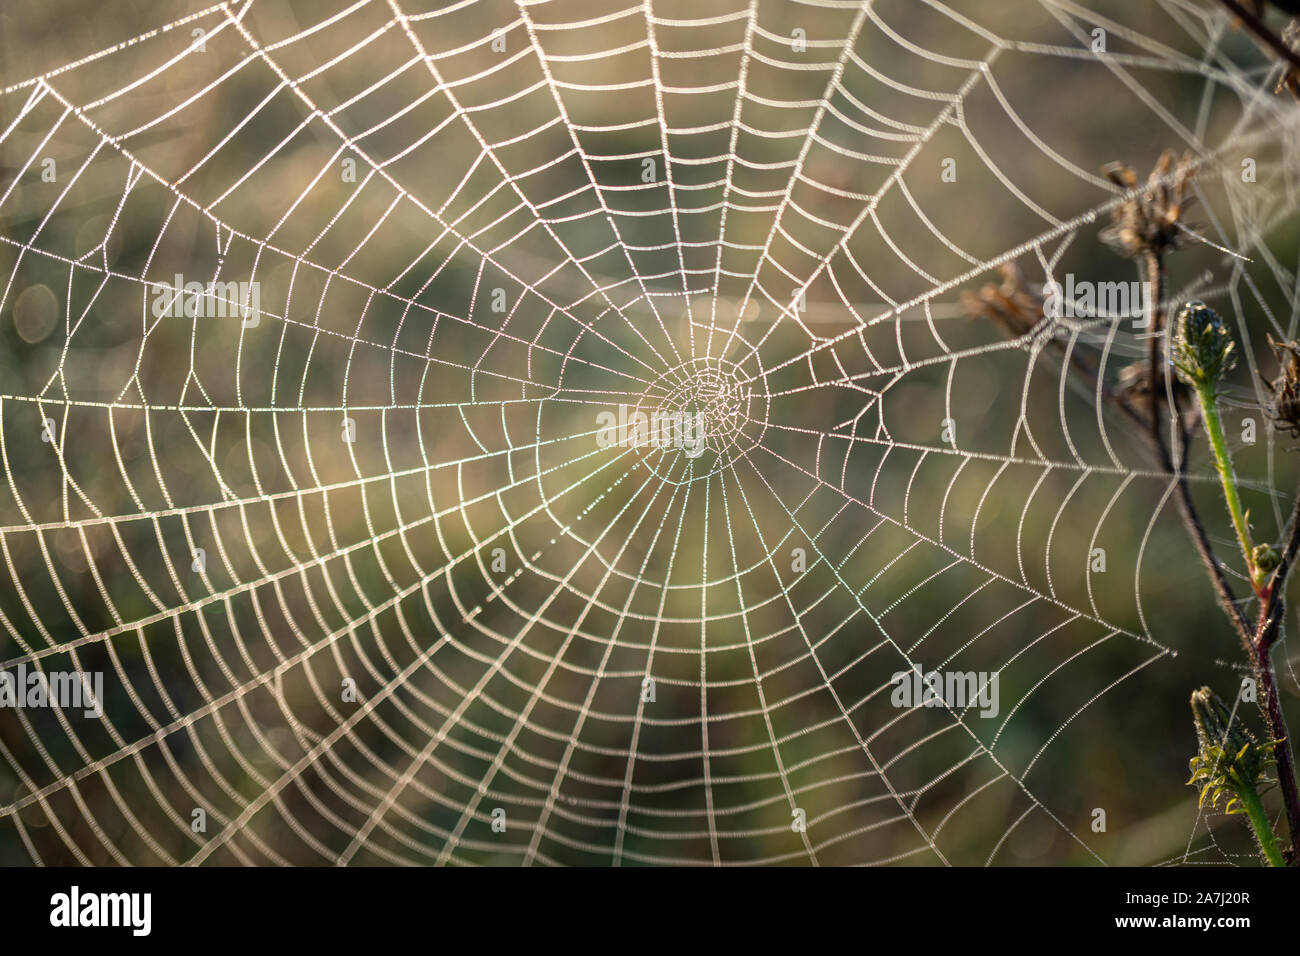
[(1155, 270), (1286, 560), (1272, 707), (1257, 640), (1259, 649), (1270, 620), (1259, 823), (1201, 539), (1214, 429)]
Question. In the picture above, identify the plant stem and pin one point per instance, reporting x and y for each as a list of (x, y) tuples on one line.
[(1271, 705), (1257, 26), (1256, 639), (1259, 823), (1214, 429), (1154, 265)]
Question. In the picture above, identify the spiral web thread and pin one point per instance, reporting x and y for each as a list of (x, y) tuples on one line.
[(732, 209)]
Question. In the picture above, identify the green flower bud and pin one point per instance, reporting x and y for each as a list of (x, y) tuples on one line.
[(1266, 558), (1202, 349), (1230, 761)]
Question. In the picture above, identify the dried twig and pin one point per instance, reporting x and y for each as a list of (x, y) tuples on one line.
[(1252, 22)]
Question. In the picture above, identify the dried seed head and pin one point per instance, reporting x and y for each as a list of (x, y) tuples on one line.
[(1229, 759), (1202, 350), (1012, 305), (1151, 221)]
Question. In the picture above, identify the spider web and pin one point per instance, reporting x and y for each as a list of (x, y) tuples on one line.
[(475, 227)]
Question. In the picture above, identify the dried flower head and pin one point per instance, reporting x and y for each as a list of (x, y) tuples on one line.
[(1202, 350), (1285, 389), (1151, 221), (1229, 761), (1012, 305)]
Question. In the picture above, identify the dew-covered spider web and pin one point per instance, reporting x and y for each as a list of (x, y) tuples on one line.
[(311, 313)]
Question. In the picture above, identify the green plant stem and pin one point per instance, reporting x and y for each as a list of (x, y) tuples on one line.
[(1214, 429), (1259, 823)]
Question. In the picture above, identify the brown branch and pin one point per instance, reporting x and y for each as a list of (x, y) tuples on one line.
[(1271, 705), (1089, 371), (1286, 560), (1270, 620), (1261, 30)]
